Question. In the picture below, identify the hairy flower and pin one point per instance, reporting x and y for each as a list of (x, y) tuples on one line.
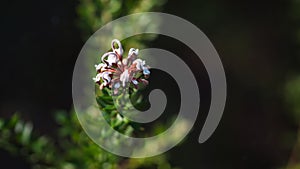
[(117, 72)]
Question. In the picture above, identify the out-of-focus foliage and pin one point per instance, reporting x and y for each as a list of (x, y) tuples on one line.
[(292, 90), (72, 150), (16, 138), (292, 96), (95, 13)]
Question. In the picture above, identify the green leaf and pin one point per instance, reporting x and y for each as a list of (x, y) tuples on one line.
[(39, 144), (1, 123), (26, 134), (13, 121), (128, 131), (60, 117), (18, 127)]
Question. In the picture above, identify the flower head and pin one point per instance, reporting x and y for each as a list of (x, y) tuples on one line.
[(117, 72)]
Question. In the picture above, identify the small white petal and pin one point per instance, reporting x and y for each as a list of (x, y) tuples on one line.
[(106, 78), (97, 78), (118, 50), (110, 58), (146, 71), (139, 64), (132, 54), (135, 82), (100, 66), (124, 77)]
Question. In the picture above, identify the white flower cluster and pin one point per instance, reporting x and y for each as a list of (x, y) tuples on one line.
[(116, 71)]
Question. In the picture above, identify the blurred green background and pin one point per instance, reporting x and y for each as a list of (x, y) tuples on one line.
[(258, 43)]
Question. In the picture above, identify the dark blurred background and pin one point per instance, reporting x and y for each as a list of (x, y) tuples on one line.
[(40, 43), (258, 43)]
